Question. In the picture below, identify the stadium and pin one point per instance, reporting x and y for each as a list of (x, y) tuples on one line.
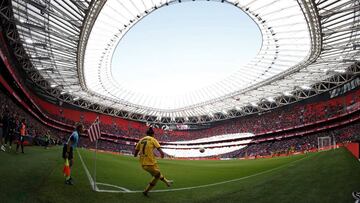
[(237, 100)]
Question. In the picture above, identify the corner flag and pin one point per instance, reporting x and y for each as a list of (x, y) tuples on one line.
[(94, 132)]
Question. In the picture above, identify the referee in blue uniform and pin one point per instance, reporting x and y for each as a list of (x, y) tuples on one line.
[(68, 149)]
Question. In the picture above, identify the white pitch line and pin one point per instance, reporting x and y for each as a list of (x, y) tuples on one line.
[(87, 172), (200, 186), (115, 186)]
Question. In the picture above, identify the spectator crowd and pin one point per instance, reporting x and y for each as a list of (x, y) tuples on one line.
[(114, 134), (10, 123)]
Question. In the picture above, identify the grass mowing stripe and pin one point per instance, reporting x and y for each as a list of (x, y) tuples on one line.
[(45, 178), (124, 190), (87, 173), (127, 172), (92, 183), (322, 177)]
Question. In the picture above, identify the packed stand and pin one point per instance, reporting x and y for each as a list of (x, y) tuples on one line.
[(297, 144), (277, 119), (10, 126)]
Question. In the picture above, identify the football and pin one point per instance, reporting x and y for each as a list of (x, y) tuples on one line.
[(202, 149)]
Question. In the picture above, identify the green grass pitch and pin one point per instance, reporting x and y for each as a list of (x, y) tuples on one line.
[(317, 177)]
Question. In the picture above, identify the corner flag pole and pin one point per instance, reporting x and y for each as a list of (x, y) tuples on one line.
[(96, 144)]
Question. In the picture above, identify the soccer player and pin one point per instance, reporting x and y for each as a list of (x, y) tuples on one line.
[(10, 124), (68, 149), (145, 148), (48, 139), (21, 136)]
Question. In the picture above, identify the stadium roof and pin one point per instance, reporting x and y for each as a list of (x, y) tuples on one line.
[(286, 43), (70, 44)]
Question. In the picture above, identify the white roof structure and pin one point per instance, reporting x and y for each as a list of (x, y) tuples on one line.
[(306, 46), (214, 146), (286, 43), (193, 153), (217, 138)]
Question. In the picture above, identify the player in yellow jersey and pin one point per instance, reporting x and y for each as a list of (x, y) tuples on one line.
[(145, 148)]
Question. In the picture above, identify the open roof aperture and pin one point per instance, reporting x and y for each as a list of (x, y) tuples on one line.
[(182, 49), (229, 70)]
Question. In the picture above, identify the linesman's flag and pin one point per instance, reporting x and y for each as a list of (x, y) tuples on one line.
[(94, 132), (67, 170)]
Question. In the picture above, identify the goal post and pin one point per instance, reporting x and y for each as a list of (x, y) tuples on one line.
[(326, 143)]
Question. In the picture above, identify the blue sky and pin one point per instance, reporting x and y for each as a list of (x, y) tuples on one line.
[(187, 46)]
